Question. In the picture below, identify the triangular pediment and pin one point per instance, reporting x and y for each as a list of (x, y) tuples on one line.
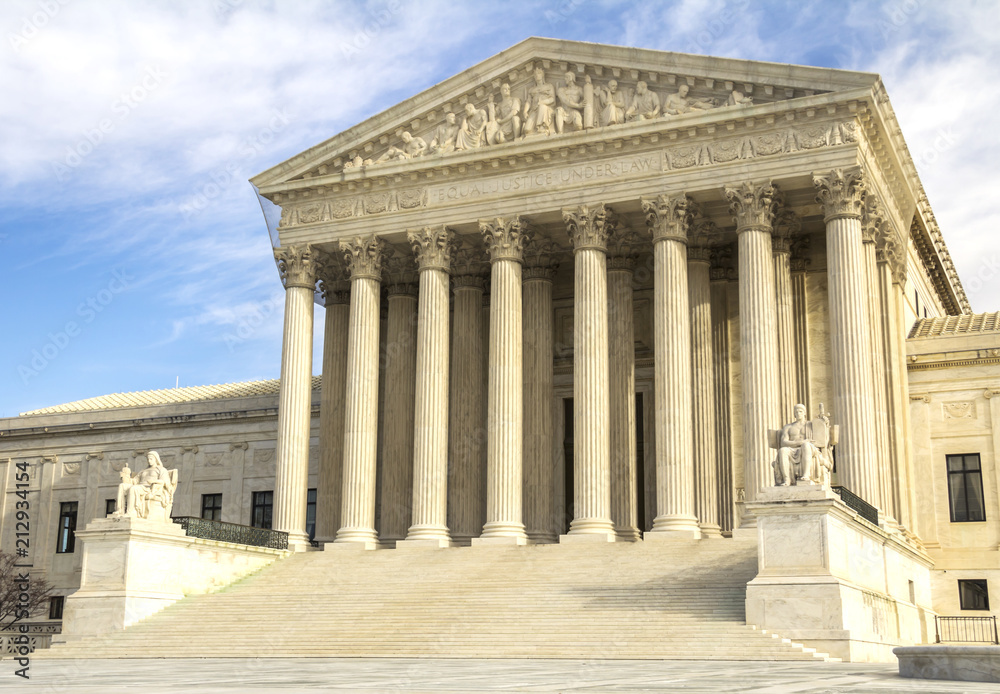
[(578, 77)]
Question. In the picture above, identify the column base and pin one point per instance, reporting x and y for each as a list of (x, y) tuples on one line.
[(367, 538), (675, 526), (627, 534), (591, 526), (710, 531), (497, 540), (298, 542), (494, 529), (543, 538), (584, 538), (462, 540), (433, 533), (423, 544)]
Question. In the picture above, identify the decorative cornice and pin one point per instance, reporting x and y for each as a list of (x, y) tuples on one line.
[(668, 217), (841, 192), (364, 256), (505, 237), (432, 247), (588, 227), (297, 265), (753, 206)]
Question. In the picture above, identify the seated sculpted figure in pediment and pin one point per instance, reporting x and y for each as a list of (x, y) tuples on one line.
[(804, 450), (150, 494)]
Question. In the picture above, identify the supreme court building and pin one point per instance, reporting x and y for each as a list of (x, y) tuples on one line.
[(570, 294)]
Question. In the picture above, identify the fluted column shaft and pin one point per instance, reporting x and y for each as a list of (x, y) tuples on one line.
[(357, 516), (800, 341), (467, 436), (504, 240), (331, 414), (621, 380), (400, 374), (539, 490), (703, 393), (753, 208), (896, 400), (721, 400), (787, 381), (879, 383), (669, 219), (587, 227), (432, 247), (294, 395), (842, 194)]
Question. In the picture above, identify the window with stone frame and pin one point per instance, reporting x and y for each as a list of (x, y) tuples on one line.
[(965, 488), (311, 514), (66, 540), (262, 507), (56, 606), (109, 506), (211, 506), (973, 594)]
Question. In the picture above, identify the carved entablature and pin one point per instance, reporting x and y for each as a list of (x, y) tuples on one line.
[(334, 209)]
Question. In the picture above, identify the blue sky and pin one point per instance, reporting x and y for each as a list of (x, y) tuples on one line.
[(134, 252)]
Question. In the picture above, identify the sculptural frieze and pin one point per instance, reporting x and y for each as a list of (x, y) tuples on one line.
[(804, 449)]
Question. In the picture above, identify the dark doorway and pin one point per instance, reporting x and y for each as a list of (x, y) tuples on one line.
[(640, 467), (568, 455)]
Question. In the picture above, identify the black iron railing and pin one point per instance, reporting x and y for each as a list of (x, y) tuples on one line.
[(864, 509), (232, 532), (966, 630)]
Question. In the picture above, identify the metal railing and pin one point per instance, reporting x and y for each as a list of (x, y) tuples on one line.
[(966, 630), (853, 501), (232, 532)]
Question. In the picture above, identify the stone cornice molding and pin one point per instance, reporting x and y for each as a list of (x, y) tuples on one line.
[(364, 256), (297, 265), (752, 206), (841, 192), (505, 237), (588, 227), (668, 217), (432, 247)]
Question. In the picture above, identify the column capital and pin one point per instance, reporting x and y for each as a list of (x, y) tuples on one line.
[(334, 283), (668, 216), (432, 247), (787, 226), (364, 256), (887, 250), (799, 248), (841, 192), (699, 253), (297, 265), (623, 244), (753, 206), (588, 227), (399, 273), (721, 264), (505, 237), (873, 221), (468, 282)]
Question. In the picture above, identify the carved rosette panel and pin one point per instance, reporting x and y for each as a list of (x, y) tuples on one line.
[(588, 227), (432, 247), (753, 206), (959, 410), (297, 265), (669, 217), (505, 237), (364, 256), (841, 192)]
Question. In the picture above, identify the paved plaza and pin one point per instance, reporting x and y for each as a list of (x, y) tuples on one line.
[(440, 675)]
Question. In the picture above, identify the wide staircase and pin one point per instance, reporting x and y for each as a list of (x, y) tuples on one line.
[(662, 600)]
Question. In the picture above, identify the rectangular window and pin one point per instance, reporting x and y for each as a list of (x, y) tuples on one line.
[(965, 488), (211, 506), (66, 542), (311, 513), (109, 506), (263, 504), (56, 607), (973, 595)]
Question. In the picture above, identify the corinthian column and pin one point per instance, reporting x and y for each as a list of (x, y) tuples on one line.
[(336, 295), (702, 382), (588, 230), (357, 516), (504, 239), (539, 487), (467, 434), (668, 219), (719, 272), (622, 250), (800, 319), (786, 225), (432, 247), (298, 273), (891, 273), (841, 192), (753, 210), (399, 375)]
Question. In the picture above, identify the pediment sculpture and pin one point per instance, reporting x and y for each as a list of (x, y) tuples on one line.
[(804, 449), (149, 494)]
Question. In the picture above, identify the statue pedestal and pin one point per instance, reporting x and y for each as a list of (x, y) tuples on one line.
[(834, 582), (134, 567)]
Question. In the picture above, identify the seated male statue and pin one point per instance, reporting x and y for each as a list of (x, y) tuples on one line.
[(150, 494), (803, 450)]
